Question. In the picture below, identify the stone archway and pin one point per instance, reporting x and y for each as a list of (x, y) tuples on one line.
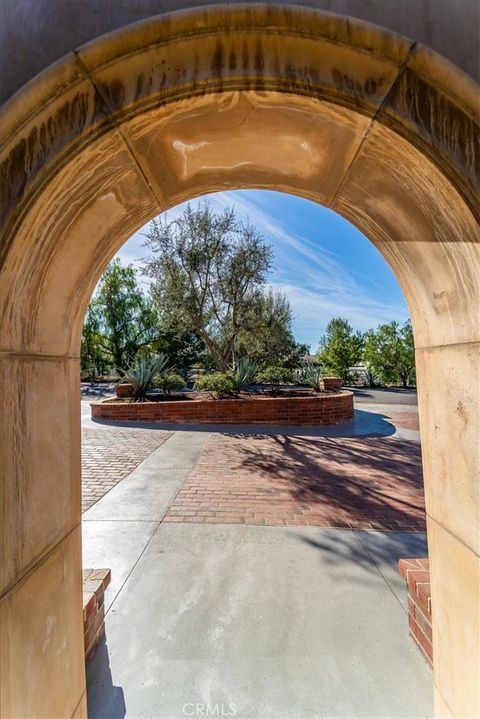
[(335, 110)]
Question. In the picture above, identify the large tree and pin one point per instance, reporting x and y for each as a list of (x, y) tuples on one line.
[(340, 347), (389, 353), (120, 319), (208, 272)]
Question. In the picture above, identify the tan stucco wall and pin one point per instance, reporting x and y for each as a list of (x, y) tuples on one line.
[(372, 125), (35, 33)]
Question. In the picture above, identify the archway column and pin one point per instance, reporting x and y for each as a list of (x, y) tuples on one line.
[(41, 655), (449, 402), (41, 609)]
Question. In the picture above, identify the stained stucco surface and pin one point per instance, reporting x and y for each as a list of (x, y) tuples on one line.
[(35, 33)]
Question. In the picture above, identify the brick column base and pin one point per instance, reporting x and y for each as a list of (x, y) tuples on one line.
[(95, 581), (417, 576)]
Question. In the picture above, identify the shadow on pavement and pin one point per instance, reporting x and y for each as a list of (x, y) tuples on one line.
[(365, 424), (385, 395), (377, 483), (105, 701), (96, 390), (384, 548)]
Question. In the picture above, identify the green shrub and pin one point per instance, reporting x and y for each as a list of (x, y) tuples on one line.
[(141, 374), (275, 376), (169, 383), (217, 383), (244, 373)]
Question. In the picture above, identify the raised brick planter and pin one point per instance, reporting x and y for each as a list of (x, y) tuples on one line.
[(95, 581), (417, 576), (323, 409)]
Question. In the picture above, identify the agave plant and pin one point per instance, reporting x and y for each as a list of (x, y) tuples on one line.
[(142, 373), (244, 373), (312, 375)]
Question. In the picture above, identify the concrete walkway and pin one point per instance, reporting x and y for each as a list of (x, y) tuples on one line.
[(267, 621)]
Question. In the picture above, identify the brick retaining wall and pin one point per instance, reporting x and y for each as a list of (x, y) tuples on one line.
[(323, 409), (95, 581), (417, 576)]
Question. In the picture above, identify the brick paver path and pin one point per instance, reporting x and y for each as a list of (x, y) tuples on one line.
[(109, 455), (405, 420), (364, 483)]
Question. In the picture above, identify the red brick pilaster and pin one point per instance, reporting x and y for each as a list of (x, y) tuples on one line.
[(417, 576)]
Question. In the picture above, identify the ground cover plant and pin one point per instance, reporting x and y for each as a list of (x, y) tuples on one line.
[(275, 377), (217, 384), (170, 383)]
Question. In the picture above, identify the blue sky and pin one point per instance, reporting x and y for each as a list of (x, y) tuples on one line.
[(324, 264)]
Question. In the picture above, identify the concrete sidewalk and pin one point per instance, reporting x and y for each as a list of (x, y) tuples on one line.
[(278, 621)]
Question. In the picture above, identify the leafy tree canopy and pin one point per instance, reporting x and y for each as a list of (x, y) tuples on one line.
[(269, 339), (389, 353), (208, 273), (120, 320), (340, 348), (183, 348)]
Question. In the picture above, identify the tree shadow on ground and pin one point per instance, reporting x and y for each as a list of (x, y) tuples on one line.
[(372, 550), (374, 480), (365, 423)]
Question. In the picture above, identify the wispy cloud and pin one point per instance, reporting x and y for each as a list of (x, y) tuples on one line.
[(318, 282), (314, 309), (320, 264)]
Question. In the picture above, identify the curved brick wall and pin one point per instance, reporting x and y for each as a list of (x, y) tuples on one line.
[(294, 411)]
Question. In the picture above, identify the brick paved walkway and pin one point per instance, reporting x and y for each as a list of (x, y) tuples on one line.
[(109, 455), (362, 483), (405, 420)]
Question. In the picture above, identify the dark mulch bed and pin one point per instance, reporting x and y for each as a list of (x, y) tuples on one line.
[(207, 397)]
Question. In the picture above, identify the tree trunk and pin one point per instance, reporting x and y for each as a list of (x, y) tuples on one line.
[(228, 352), (215, 353)]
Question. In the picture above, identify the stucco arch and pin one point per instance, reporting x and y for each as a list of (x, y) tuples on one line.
[(349, 115)]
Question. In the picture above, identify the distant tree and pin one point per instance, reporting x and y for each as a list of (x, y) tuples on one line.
[(406, 365), (183, 348), (120, 320), (268, 339), (94, 360), (389, 353), (208, 273), (340, 348)]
